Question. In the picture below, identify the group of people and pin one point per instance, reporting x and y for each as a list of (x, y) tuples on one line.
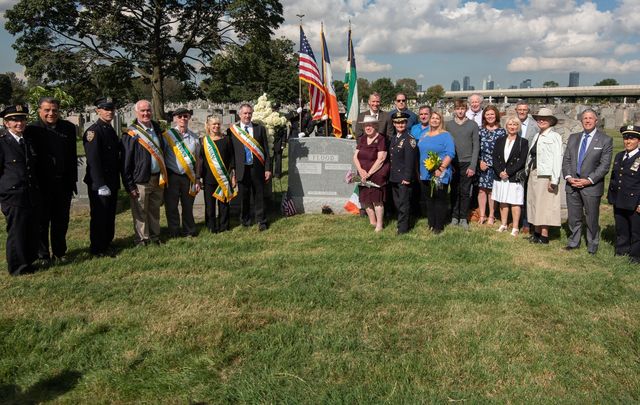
[(38, 175), (516, 167)]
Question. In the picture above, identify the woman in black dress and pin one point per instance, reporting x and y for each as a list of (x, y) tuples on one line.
[(218, 175)]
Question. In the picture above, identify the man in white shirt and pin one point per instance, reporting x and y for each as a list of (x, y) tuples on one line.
[(474, 112)]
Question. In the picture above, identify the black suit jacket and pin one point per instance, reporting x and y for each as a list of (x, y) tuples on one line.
[(516, 160), (136, 161), (260, 135), (103, 148), (624, 189), (20, 171)]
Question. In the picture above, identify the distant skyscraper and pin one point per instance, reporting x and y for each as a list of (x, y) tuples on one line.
[(471, 88), (455, 85), (419, 89), (491, 85), (574, 79), (525, 84), (513, 86), (466, 83)]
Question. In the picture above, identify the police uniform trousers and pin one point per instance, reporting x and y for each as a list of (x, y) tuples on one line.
[(437, 205), (146, 210), (402, 200), (577, 204), (627, 233), (176, 191), (216, 211), (54, 220), (252, 184), (461, 190), (102, 226), (22, 237)]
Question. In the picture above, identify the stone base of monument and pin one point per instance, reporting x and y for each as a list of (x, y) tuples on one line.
[(317, 167)]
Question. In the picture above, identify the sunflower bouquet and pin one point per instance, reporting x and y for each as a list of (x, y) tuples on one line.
[(432, 163)]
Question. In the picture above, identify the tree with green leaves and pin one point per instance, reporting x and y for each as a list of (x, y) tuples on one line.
[(64, 40), (408, 86), (386, 88), (5, 89), (245, 72), (607, 82), (434, 93), (18, 88), (550, 83), (364, 88)]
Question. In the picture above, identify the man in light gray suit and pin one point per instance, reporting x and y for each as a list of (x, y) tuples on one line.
[(529, 126), (586, 162)]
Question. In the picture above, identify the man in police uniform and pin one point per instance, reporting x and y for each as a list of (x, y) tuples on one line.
[(102, 147), (181, 156), (19, 190), (58, 138), (624, 194), (403, 155)]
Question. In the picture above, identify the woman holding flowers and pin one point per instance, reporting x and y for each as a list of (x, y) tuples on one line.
[(437, 150), (370, 161), (217, 175), (489, 134)]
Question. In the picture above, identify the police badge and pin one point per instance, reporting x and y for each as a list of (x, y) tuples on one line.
[(90, 136)]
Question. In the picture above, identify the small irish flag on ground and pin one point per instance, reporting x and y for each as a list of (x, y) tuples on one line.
[(353, 204)]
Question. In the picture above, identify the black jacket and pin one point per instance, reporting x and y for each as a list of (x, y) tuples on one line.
[(20, 171), (260, 135), (517, 157), (403, 154), (624, 188), (136, 161), (103, 149)]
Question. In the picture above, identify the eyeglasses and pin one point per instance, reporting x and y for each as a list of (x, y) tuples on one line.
[(182, 117), (404, 100)]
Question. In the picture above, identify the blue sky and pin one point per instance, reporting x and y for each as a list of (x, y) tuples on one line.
[(437, 41)]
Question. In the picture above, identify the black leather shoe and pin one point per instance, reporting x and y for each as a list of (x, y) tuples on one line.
[(570, 248), (262, 227)]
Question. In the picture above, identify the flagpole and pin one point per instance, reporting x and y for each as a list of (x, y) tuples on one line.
[(326, 122), (300, 88)]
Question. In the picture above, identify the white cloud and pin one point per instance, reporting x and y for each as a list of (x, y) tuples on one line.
[(624, 49), (587, 65)]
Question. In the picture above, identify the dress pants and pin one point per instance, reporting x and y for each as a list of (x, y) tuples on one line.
[(22, 237), (577, 204), (252, 183), (54, 218), (437, 206), (627, 233), (146, 210), (217, 212), (402, 200), (102, 226), (461, 187), (178, 191)]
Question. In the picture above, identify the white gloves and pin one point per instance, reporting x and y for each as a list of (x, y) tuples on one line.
[(299, 110), (301, 135), (104, 191)]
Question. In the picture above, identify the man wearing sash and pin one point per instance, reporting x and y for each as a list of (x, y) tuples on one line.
[(144, 173), (183, 148), (252, 164)]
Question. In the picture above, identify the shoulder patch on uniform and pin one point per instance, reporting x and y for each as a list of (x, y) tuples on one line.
[(90, 136), (412, 142)]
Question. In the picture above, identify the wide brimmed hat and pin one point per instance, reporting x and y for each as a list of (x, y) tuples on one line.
[(630, 131), (546, 113), (369, 119)]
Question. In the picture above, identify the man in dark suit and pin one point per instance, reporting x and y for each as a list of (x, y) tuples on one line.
[(585, 164), (102, 147), (58, 138), (19, 189), (144, 173), (253, 165), (624, 194), (384, 127)]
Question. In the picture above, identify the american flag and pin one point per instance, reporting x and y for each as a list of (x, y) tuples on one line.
[(308, 72)]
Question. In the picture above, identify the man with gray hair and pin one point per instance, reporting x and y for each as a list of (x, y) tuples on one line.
[(586, 162), (474, 112), (60, 159), (529, 126), (144, 173)]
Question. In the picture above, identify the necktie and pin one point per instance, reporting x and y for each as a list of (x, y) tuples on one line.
[(626, 156), (582, 152), (248, 156)]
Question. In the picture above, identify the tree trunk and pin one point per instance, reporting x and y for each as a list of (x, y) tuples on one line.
[(157, 94)]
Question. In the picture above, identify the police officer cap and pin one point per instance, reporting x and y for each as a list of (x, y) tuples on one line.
[(400, 116), (17, 110), (630, 131), (181, 111), (105, 103)]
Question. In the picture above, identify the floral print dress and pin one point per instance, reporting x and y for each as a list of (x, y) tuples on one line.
[(488, 140)]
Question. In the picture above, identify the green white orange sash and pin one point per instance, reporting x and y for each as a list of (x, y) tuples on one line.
[(248, 141), (185, 158), (224, 192), (146, 141)]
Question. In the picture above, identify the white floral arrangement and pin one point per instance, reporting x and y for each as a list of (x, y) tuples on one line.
[(263, 113)]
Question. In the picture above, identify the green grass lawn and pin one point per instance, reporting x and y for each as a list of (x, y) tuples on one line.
[(319, 309)]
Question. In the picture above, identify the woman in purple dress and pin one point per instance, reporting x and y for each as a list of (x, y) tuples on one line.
[(370, 161), (490, 132)]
